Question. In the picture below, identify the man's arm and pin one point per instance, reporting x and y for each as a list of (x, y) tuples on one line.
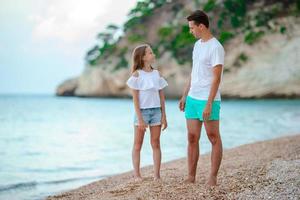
[(184, 95), (217, 73), (187, 87)]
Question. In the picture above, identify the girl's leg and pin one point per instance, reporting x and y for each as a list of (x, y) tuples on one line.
[(136, 151), (155, 143)]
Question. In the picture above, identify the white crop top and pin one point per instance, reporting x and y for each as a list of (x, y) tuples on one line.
[(148, 84)]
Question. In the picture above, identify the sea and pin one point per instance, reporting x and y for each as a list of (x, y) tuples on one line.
[(52, 144)]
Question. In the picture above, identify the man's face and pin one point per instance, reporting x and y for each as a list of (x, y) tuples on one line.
[(196, 30)]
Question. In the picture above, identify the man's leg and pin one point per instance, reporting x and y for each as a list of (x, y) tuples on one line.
[(213, 133), (194, 130)]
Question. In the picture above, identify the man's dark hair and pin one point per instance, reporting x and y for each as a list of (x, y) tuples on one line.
[(199, 17)]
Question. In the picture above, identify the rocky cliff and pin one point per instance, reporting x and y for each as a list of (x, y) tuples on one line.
[(262, 44)]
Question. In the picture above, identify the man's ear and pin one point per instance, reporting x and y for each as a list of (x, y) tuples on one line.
[(201, 26)]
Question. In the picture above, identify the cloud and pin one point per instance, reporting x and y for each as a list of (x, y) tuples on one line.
[(72, 21)]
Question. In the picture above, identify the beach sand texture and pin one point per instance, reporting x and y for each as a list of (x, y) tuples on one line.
[(262, 170)]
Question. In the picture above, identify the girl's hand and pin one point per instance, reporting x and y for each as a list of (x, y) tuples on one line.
[(142, 126), (164, 123)]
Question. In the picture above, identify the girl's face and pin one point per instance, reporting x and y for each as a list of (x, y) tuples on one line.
[(149, 56)]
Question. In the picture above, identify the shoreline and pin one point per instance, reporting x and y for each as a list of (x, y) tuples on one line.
[(262, 170), (224, 97)]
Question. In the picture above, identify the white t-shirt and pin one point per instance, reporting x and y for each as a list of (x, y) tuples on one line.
[(206, 55), (148, 84)]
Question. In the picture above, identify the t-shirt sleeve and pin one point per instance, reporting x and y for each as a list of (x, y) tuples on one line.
[(162, 83), (217, 57), (132, 83)]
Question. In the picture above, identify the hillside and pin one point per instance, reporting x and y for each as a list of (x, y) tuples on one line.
[(260, 38)]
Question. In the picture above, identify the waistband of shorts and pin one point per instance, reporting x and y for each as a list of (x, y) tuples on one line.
[(155, 108)]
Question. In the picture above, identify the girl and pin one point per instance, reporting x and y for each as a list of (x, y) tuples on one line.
[(149, 104)]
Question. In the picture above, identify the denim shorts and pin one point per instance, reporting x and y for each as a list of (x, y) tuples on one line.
[(151, 116)]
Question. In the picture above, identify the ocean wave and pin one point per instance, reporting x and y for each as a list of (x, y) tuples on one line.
[(32, 184)]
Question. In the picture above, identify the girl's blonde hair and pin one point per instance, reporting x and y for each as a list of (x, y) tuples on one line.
[(137, 57)]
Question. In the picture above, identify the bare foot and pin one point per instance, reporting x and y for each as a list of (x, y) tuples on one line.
[(190, 179), (212, 181), (138, 178), (157, 178)]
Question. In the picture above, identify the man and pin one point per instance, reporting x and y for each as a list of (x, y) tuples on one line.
[(201, 97)]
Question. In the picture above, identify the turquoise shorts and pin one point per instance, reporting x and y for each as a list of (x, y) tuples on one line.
[(194, 109)]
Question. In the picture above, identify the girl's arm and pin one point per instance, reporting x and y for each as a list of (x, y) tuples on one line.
[(135, 97), (162, 102), (163, 109), (164, 123)]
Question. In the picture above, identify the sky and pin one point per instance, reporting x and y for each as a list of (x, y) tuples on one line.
[(44, 42)]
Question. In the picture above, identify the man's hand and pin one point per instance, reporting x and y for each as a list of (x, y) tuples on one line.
[(207, 112), (182, 103)]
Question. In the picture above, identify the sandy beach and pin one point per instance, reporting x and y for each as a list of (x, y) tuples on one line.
[(262, 170)]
